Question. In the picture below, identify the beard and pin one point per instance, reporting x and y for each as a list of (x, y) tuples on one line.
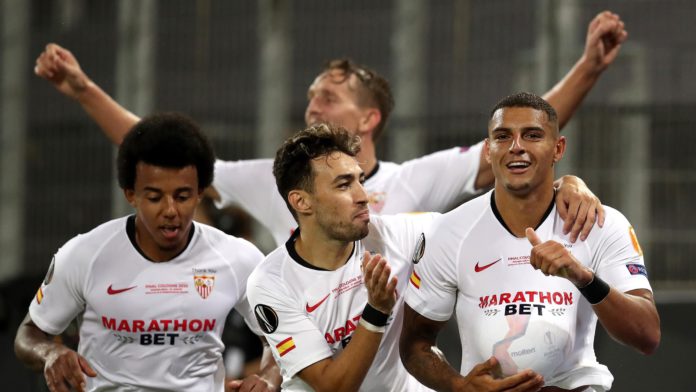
[(342, 231)]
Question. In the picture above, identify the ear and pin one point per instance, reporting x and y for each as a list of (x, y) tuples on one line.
[(368, 122), (300, 201), (130, 196), (560, 149)]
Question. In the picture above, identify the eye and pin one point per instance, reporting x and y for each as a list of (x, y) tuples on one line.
[(153, 199), (534, 135), (501, 136)]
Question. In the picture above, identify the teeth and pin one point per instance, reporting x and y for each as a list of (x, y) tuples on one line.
[(518, 164)]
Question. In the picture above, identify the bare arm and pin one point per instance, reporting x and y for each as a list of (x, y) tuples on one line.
[(605, 34), (427, 363), (267, 380), (630, 318), (347, 371), (60, 67), (62, 367)]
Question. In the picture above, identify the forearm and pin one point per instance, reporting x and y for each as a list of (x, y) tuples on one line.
[(429, 366), (32, 346), (113, 119), (631, 318), (347, 371), (567, 95), (269, 368)]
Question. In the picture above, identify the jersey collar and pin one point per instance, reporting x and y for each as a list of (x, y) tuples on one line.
[(290, 247), (502, 222), (130, 230)]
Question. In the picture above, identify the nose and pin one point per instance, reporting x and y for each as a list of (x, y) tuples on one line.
[(361, 195), (313, 109), (516, 146), (169, 207)]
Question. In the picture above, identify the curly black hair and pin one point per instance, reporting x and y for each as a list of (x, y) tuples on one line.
[(169, 140)]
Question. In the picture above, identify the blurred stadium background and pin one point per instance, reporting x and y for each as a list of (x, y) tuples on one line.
[(241, 69)]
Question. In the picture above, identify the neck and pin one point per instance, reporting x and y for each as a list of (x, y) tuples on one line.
[(367, 159), (151, 250), (321, 251), (522, 211)]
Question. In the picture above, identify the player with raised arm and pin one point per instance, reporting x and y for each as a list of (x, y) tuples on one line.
[(360, 100), (150, 291), (525, 296)]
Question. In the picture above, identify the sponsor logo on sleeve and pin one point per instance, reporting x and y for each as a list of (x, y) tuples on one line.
[(419, 250), (285, 346), (266, 317), (637, 269), (415, 280)]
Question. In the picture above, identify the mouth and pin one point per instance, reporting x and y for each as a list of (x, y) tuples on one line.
[(518, 166), (363, 215), (170, 232)]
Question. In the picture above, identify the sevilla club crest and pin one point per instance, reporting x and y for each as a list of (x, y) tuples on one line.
[(204, 284)]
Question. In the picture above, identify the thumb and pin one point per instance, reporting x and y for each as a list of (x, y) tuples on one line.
[(486, 367), (532, 236), (84, 365), (233, 385)]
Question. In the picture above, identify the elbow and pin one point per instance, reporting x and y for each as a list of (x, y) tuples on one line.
[(650, 342)]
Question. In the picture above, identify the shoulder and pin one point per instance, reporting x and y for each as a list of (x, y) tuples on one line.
[(89, 244), (267, 277)]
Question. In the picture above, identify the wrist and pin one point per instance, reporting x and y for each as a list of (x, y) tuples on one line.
[(595, 291), (373, 319)]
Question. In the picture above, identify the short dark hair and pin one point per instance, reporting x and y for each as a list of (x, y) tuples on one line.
[(526, 100), (292, 167), (169, 140), (373, 90)]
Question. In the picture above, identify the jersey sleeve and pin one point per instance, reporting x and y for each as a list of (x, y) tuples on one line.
[(294, 339), (432, 288), (250, 185), (61, 295), (618, 257), (439, 181), (248, 257)]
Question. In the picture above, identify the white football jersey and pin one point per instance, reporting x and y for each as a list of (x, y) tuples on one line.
[(435, 182), (309, 314), (147, 325), (475, 264)]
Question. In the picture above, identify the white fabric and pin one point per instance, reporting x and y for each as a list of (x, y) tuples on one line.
[(471, 238), (435, 182), (160, 333), (321, 329)]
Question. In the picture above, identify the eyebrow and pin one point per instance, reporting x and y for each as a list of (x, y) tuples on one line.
[(157, 190), (530, 128), (347, 177)]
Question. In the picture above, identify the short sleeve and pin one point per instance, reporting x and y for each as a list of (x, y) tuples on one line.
[(61, 295), (619, 257), (432, 289), (441, 180), (294, 339)]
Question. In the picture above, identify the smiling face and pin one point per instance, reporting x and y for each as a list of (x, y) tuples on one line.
[(333, 98), (522, 147), (165, 200), (338, 200)]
